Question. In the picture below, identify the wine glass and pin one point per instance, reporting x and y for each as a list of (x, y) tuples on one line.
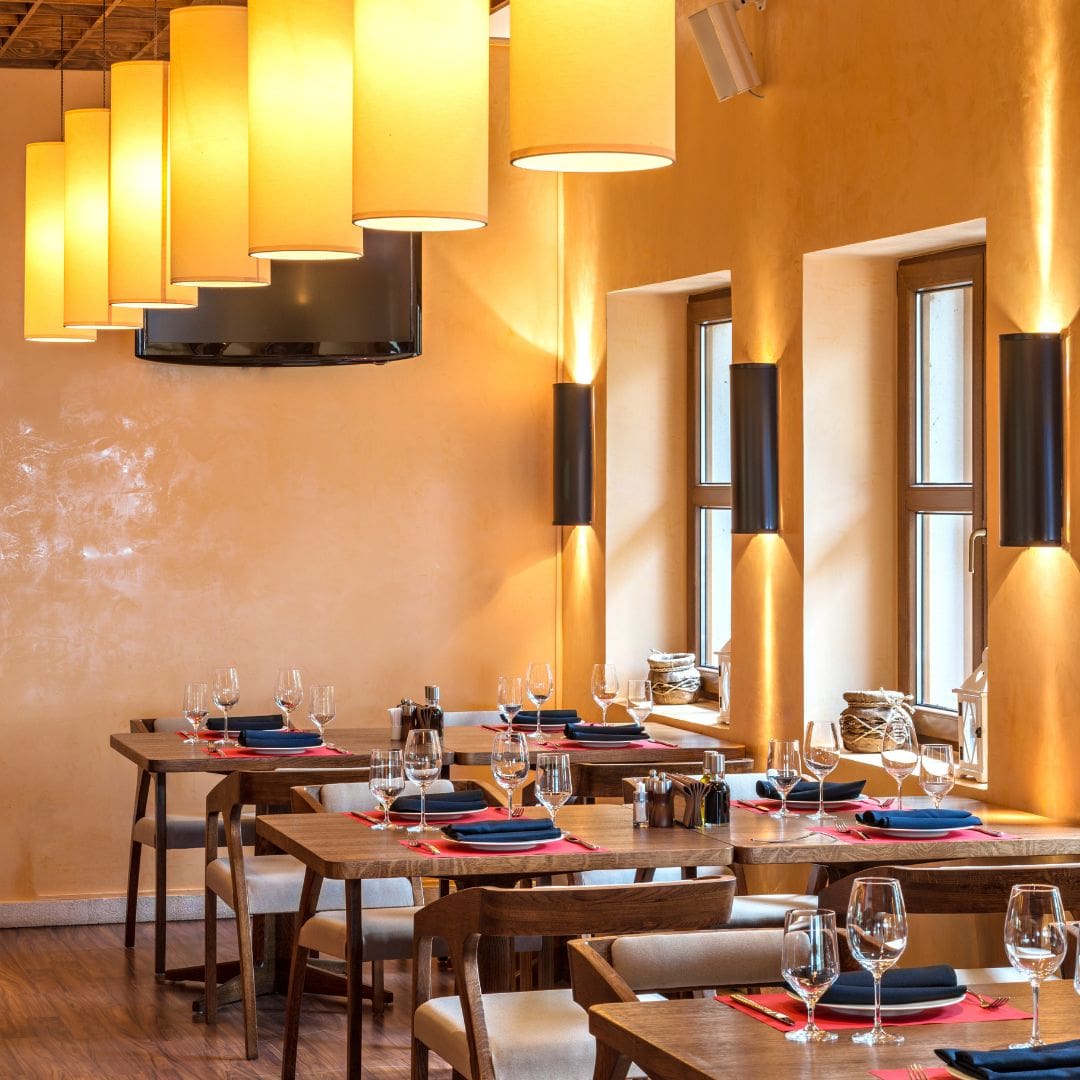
[(1035, 942), (538, 686), (510, 764), (196, 707), (605, 687), (783, 770), (1075, 929), (553, 782), (937, 772), (877, 932), (899, 754), (639, 700), (509, 697), (423, 763), (288, 693), (810, 964), (226, 697), (822, 743), (322, 711), (386, 781)]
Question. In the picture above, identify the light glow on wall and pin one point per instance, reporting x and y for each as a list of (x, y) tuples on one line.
[(1045, 156)]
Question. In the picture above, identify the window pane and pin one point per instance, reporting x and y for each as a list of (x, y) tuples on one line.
[(943, 387), (715, 350), (943, 607), (715, 577)]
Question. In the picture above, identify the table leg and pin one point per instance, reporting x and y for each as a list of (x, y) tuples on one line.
[(160, 880), (354, 964), (309, 902)]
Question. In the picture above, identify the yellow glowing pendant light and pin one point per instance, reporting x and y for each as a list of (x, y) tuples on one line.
[(420, 114), (139, 189), (208, 135), (43, 278), (300, 87), (86, 225), (592, 85)]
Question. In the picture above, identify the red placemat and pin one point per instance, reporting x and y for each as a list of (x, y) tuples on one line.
[(877, 838), (967, 1012), (856, 805), (492, 813), (244, 752), (932, 1073), (638, 744), (448, 849)]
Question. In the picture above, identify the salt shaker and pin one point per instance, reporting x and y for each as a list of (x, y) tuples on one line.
[(641, 806)]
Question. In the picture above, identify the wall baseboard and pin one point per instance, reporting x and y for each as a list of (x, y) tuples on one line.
[(180, 907)]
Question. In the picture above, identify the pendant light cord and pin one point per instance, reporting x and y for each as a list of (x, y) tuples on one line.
[(104, 61), (62, 78), (157, 32)]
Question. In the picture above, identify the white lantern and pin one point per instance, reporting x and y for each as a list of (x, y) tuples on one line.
[(723, 682), (971, 697)]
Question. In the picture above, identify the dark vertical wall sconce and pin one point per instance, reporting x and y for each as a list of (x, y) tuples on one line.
[(573, 472), (1032, 440), (755, 462)]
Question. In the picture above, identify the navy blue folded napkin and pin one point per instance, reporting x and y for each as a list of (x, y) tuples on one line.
[(275, 740), (554, 715), (445, 802), (900, 986), (245, 723), (1052, 1062), (807, 790), (918, 819), (606, 732), (510, 831)]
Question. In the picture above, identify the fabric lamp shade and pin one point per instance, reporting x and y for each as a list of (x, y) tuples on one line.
[(43, 269), (208, 136), (420, 115), (139, 189), (86, 225), (592, 85), (300, 91)]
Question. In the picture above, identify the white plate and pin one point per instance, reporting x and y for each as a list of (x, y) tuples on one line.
[(606, 744), (909, 834), (502, 845), (897, 1012), (439, 815), (830, 804), (543, 727), (954, 1072), (281, 751)]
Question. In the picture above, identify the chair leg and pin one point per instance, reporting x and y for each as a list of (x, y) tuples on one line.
[(210, 983), (134, 861), (293, 1004), (160, 877), (378, 988), (610, 1065), (247, 986), (419, 1060)]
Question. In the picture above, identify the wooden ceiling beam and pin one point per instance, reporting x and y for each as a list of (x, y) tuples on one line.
[(90, 30), (20, 26)]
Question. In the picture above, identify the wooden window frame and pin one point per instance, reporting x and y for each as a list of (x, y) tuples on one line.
[(939, 270)]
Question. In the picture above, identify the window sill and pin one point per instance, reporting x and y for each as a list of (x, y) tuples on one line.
[(873, 761), (703, 717)]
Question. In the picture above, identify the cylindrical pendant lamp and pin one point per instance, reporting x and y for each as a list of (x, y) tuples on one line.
[(420, 115), (1032, 440), (755, 455), (592, 85), (208, 135), (139, 189), (86, 225), (573, 456), (300, 91), (43, 266)]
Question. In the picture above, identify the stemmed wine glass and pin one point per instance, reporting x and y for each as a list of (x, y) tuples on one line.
[(783, 770), (386, 781), (605, 687), (322, 711), (509, 764), (196, 707), (899, 754), (639, 699), (810, 964), (226, 697), (877, 932), (423, 763), (553, 782), (1035, 942), (937, 773), (822, 743), (538, 686), (509, 698), (288, 693)]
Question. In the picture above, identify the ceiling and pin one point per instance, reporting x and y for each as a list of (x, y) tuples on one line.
[(30, 31)]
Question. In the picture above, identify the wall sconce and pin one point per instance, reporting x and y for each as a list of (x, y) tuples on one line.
[(755, 462), (1032, 442), (573, 454)]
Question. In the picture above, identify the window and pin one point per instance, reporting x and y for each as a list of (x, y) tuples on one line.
[(942, 566), (709, 474)]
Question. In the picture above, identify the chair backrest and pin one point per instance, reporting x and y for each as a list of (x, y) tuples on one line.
[(160, 724), (744, 785), (462, 918), (474, 718), (341, 798)]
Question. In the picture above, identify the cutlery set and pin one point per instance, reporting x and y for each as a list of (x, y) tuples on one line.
[(749, 1003)]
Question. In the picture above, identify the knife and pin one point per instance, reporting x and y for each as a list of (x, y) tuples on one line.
[(751, 806), (365, 817), (583, 843), (425, 847), (780, 1017), (991, 832)]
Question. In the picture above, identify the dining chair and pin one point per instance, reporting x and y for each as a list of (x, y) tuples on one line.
[(535, 1034), (597, 780)]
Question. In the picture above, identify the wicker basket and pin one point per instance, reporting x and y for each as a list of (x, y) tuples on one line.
[(675, 678), (868, 712)]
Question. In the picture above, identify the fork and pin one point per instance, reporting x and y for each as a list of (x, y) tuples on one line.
[(780, 840), (883, 803), (988, 1003), (518, 811), (844, 827), (917, 1072)]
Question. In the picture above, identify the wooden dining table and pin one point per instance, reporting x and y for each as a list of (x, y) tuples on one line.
[(702, 1039)]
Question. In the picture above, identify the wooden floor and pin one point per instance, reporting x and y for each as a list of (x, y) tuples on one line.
[(75, 1005)]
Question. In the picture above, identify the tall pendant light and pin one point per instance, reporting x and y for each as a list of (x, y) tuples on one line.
[(139, 189), (86, 225), (43, 278), (208, 135), (420, 114), (300, 88), (592, 85)]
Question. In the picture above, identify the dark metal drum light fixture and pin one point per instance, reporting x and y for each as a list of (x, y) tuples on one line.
[(755, 460), (573, 454)]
